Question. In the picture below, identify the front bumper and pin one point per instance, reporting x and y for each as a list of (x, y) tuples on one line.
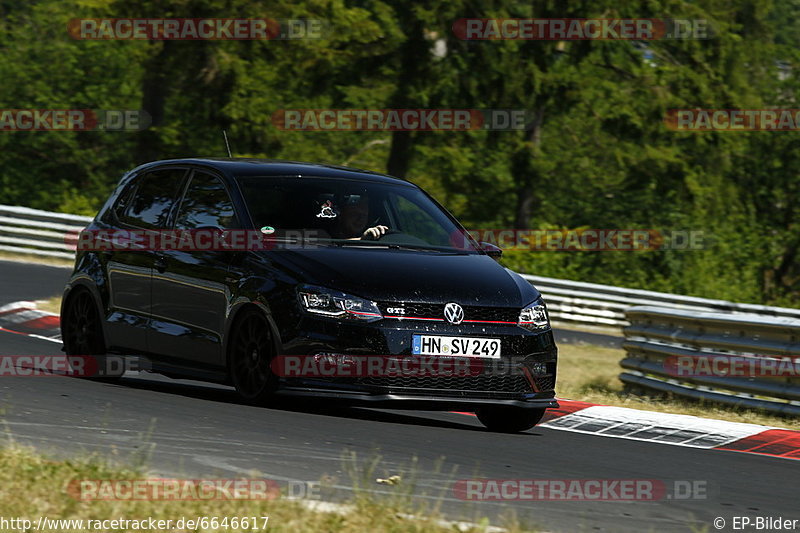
[(415, 401), (516, 385)]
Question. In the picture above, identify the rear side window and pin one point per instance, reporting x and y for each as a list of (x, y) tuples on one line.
[(124, 199), (150, 205), (206, 204)]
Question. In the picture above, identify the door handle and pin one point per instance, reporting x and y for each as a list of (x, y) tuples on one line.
[(160, 263)]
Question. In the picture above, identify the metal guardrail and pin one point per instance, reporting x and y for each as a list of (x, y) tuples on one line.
[(664, 347), (32, 231), (606, 305)]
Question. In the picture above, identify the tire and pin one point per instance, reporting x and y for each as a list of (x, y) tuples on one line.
[(250, 354), (82, 334), (509, 419)]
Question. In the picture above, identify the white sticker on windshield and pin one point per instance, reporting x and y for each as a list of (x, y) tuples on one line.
[(327, 211)]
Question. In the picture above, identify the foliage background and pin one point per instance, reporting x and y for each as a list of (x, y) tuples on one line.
[(600, 157)]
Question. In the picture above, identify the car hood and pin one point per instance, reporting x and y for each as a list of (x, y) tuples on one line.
[(408, 276)]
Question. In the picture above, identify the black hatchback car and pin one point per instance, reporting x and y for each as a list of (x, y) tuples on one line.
[(279, 278)]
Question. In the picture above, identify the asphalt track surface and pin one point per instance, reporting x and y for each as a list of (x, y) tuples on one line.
[(191, 429)]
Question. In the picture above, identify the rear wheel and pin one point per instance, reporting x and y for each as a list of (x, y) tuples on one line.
[(80, 326), (82, 333), (250, 355), (509, 419)]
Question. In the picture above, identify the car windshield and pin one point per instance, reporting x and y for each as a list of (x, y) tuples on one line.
[(345, 212)]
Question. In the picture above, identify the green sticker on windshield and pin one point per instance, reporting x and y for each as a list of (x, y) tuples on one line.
[(267, 230)]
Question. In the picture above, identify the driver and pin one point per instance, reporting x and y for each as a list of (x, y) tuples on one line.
[(353, 219)]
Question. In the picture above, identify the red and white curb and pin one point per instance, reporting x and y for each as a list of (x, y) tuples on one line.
[(24, 318), (675, 430)]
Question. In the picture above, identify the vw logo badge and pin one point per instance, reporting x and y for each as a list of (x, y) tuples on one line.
[(454, 313)]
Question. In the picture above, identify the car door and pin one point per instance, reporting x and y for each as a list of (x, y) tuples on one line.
[(146, 205), (190, 287)]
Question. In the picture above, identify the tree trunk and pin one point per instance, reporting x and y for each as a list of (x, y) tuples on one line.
[(414, 58), (399, 154), (154, 97), (525, 173)]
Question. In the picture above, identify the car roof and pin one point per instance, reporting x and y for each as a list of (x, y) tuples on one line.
[(251, 167)]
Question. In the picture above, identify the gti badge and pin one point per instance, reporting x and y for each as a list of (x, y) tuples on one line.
[(454, 313)]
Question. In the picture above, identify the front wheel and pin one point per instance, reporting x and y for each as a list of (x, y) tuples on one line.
[(509, 419), (251, 352)]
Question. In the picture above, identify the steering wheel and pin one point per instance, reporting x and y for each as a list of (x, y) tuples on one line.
[(399, 237), (388, 233)]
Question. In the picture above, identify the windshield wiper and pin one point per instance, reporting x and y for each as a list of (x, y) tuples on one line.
[(394, 245)]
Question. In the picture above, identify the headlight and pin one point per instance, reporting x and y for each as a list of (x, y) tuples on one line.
[(336, 304), (534, 316)]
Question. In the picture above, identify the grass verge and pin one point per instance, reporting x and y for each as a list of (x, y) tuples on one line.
[(31, 486), (51, 305)]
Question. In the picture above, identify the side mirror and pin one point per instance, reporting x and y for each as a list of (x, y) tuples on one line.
[(491, 250)]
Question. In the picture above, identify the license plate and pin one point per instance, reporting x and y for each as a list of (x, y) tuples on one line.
[(455, 346)]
